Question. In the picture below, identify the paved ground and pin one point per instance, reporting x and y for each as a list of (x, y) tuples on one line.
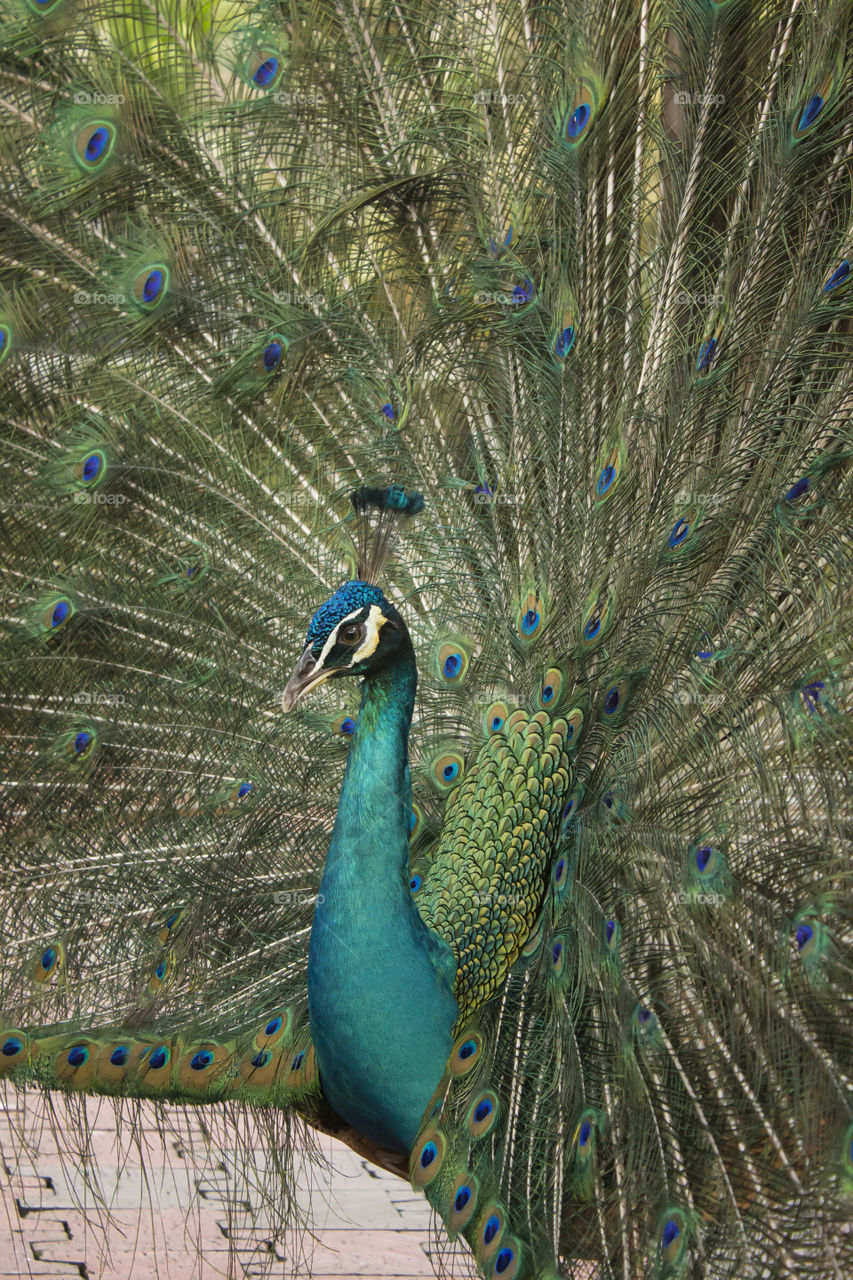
[(367, 1223)]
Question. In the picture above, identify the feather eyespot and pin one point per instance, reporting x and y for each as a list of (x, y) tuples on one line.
[(451, 659), (49, 962), (495, 717), (466, 1053), (150, 286), (608, 474), (159, 1058), (446, 770), (530, 617), (428, 1157), (263, 68), (57, 613), (490, 1232), (508, 1259), (483, 1114), (673, 1236), (614, 702), (94, 144), (5, 341), (415, 883), (551, 689), (463, 1202)]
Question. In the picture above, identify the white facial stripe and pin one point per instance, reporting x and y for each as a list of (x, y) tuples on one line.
[(329, 644), (373, 622)]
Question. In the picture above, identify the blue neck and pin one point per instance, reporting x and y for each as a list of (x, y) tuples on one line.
[(379, 983)]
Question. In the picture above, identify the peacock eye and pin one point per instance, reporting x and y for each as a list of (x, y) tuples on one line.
[(351, 634)]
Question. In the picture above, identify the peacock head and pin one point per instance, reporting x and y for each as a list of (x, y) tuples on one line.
[(355, 633)]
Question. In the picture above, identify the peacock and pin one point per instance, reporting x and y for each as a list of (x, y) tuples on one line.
[(427, 605)]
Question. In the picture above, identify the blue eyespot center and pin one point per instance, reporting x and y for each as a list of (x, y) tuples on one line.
[(272, 1027), (497, 723), (578, 120), (463, 1195), (483, 1110), (61, 611), (468, 1048), (811, 111), (161, 969), (706, 355), (388, 410), (679, 533), (11, 1046), (504, 1260), (272, 356), (547, 693), (159, 1058), (298, 1060), (48, 957), (804, 935), (611, 701), (119, 1056), (428, 1154), (92, 466), (153, 285), (415, 883), (201, 1060), (797, 490), (530, 622), (265, 72), (453, 665), (450, 771), (605, 480), (348, 725), (565, 341), (703, 856), (592, 628), (671, 1232), (261, 1059), (559, 869), (585, 1131), (244, 789), (97, 144), (78, 1055), (610, 929), (491, 1229), (81, 742)]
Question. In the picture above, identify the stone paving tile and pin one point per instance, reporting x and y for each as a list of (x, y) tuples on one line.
[(367, 1224)]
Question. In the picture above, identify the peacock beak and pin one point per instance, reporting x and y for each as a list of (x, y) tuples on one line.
[(305, 676)]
